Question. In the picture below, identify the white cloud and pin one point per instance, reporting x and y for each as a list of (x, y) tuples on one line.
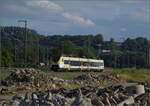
[(45, 4), (78, 19), (50, 6), (123, 29)]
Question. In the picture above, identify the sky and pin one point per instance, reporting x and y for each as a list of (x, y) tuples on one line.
[(111, 18)]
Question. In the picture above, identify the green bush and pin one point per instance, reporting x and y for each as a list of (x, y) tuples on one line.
[(45, 68)]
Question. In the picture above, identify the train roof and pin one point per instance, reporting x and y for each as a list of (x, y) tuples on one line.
[(78, 58)]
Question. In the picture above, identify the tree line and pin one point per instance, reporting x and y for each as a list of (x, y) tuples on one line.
[(15, 51)]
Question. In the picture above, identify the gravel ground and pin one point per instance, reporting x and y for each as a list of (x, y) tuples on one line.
[(40, 89)]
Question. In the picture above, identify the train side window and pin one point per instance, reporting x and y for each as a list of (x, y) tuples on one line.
[(91, 64), (85, 63), (94, 64), (78, 63), (72, 63), (97, 64), (101, 64), (75, 63), (66, 61)]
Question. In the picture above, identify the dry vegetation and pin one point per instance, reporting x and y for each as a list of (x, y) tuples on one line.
[(133, 75), (127, 74)]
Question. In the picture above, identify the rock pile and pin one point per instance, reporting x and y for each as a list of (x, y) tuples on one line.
[(86, 96), (94, 78), (29, 79), (25, 76)]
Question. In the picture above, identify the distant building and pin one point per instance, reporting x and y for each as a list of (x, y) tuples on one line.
[(105, 51), (42, 64)]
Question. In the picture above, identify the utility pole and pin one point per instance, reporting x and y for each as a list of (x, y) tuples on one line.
[(15, 51), (88, 45), (1, 32), (115, 60), (149, 57), (135, 53), (115, 51), (123, 39), (25, 41), (38, 52), (128, 57), (62, 49), (99, 49), (47, 56)]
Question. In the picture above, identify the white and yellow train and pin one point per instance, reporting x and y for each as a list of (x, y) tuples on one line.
[(74, 64)]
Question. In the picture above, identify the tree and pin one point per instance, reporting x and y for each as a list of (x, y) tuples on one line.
[(85, 52), (31, 57), (131, 52), (64, 48), (98, 39), (67, 47), (112, 43), (6, 58)]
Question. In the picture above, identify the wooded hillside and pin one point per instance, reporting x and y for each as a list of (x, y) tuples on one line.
[(39, 48)]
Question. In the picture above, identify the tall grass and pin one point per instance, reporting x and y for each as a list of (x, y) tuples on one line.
[(132, 75)]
